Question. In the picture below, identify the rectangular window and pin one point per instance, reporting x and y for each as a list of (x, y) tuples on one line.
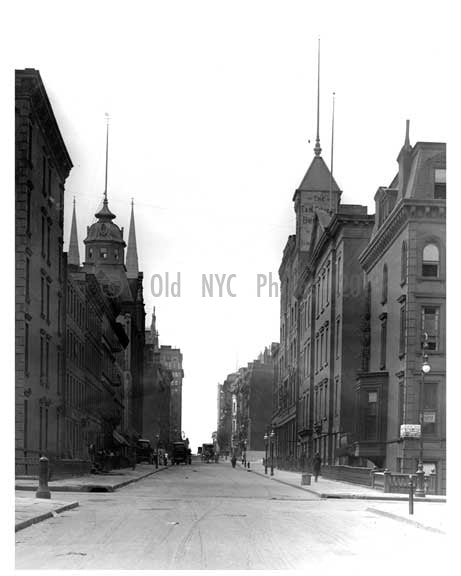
[(47, 359), (49, 180), (42, 297), (27, 279), (28, 210), (440, 184), (382, 363), (328, 285), (326, 344), (48, 239), (317, 352), (325, 401), (336, 399), (26, 423), (430, 326), (430, 413), (46, 428), (401, 405), (338, 333), (103, 253), (26, 348), (42, 356), (321, 350), (371, 423), (48, 302), (308, 359), (44, 176), (402, 330), (43, 235)]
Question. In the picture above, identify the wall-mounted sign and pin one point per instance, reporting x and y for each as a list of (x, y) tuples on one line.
[(429, 417), (410, 431)]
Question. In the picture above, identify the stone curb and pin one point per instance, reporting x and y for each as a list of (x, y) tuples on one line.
[(94, 486), (44, 516), (405, 520), (352, 496)]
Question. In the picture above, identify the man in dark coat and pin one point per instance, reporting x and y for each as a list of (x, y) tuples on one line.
[(317, 462)]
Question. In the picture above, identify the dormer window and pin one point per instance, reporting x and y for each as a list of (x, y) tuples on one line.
[(440, 184), (431, 261), (90, 253), (103, 253), (116, 253)]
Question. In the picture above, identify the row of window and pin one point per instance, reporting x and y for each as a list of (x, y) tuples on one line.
[(104, 253), (430, 325), (430, 411)]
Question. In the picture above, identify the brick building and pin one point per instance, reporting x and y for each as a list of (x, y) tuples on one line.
[(171, 359), (42, 166), (405, 272)]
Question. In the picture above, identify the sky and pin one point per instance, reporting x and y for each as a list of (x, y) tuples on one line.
[(213, 124)]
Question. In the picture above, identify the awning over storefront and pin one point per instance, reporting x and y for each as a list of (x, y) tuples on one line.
[(120, 439)]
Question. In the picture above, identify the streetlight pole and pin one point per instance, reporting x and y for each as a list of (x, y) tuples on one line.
[(272, 439), (266, 438), (425, 369)]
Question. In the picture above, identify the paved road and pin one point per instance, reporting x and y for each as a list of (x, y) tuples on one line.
[(209, 516)]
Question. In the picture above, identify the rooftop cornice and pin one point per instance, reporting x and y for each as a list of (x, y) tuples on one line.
[(29, 85), (405, 210)]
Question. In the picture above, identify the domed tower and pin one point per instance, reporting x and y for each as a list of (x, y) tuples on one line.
[(105, 249), (104, 244)]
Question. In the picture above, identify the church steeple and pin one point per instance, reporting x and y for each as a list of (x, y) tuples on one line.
[(73, 256), (132, 267)]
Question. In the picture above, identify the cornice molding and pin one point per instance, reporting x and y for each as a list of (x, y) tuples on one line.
[(408, 209)]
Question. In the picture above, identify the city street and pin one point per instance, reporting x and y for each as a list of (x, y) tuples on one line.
[(210, 516)]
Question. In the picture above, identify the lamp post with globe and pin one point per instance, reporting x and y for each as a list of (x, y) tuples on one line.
[(425, 369)]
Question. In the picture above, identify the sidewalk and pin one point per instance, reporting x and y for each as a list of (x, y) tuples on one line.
[(29, 510), (107, 482), (430, 512)]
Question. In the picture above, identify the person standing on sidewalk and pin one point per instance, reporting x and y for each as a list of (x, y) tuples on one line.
[(317, 462)]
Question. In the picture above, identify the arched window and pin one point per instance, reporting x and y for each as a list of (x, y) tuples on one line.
[(431, 261), (403, 264), (384, 289)]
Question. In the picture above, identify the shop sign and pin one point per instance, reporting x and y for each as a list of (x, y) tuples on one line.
[(410, 431)]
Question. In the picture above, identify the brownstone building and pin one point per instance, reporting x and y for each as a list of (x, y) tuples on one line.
[(405, 270), (42, 166)]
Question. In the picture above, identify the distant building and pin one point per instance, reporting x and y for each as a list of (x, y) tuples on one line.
[(405, 267), (224, 427), (157, 391), (42, 167), (171, 358)]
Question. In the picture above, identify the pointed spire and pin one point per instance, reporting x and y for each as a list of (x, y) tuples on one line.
[(132, 269), (73, 256), (105, 213), (317, 148), (107, 155)]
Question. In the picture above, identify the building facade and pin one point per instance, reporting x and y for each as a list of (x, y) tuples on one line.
[(405, 275), (171, 359), (42, 167), (157, 391)]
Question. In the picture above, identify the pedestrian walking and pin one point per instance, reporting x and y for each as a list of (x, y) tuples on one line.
[(317, 462), (233, 461)]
